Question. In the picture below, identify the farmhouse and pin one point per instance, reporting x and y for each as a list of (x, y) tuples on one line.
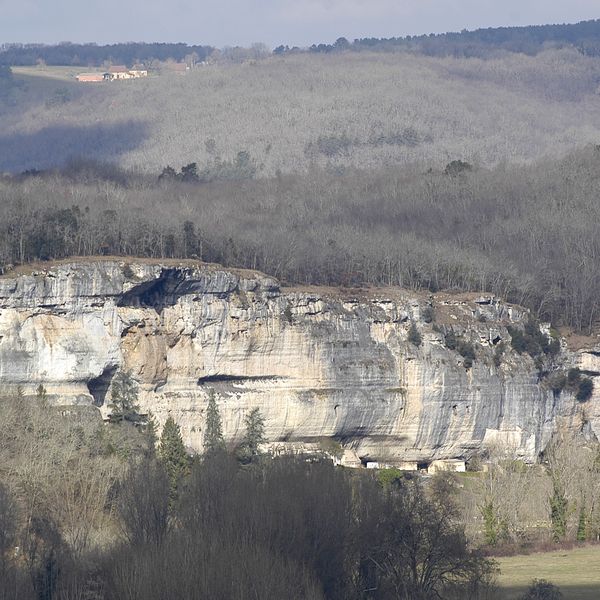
[(117, 72), (114, 73)]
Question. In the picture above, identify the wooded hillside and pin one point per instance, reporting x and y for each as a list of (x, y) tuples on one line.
[(364, 110), (526, 233)]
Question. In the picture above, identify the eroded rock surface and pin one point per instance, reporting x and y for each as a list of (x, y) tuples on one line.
[(318, 363)]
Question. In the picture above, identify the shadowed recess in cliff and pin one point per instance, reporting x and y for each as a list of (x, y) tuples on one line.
[(56, 145), (172, 283), (157, 293), (236, 378), (99, 386), (349, 434)]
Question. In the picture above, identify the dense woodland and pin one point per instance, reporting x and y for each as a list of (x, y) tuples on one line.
[(449, 178), (104, 510), (526, 233), (93, 510), (88, 55), (294, 111), (483, 43), (480, 43)]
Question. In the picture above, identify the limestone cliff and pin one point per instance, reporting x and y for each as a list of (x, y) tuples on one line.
[(318, 363)]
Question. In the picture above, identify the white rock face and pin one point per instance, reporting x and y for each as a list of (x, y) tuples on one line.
[(318, 364)]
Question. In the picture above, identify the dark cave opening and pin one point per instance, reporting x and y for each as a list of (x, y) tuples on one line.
[(99, 386), (157, 293)]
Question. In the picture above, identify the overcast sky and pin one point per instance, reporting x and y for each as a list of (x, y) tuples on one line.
[(294, 22)]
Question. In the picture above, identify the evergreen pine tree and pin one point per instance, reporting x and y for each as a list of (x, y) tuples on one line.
[(582, 526), (124, 397), (172, 454), (490, 523), (41, 394), (150, 430), (255, 435), (558, 511), (213, 436)]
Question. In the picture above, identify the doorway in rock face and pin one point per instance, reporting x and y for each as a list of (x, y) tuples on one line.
[(99, 386)]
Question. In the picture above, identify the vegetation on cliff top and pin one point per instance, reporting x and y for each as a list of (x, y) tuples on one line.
[(528, 234)]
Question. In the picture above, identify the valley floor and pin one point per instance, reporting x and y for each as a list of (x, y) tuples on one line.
[(576, 572)]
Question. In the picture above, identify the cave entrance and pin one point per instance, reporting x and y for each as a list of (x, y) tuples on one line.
[(157, 293), (99, 386)]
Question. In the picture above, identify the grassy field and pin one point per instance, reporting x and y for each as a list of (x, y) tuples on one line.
[(54, 73), (576, 572)]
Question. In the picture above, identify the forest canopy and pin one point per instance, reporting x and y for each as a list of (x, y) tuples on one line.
[(96, 55), (460, 173), (483, 43), (480, 43), (295, 111), (526, 233)]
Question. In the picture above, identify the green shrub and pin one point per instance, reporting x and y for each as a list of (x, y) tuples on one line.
[(450, 340), (127, 271), (582, 526), (538, 361), (552, 347), (557, 382), (474, 464), (584, 390), (456, 167), (581, 386), (466, 350), (532, 341), (60, 96), (428, 314), (498, 353), (541, 589), (490, 523), (573, 377), (389, 477), (333, 145), (332, 447), (242, 168), (189, 173), (517, 340)]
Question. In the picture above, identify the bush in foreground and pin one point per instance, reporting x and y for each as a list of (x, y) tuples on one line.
[(541, 589)]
